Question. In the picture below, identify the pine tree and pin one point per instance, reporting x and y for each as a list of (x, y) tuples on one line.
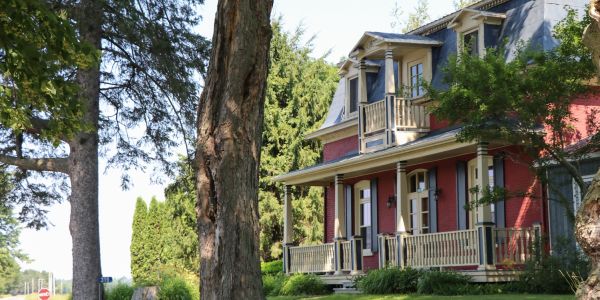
[(139, 265), (153, 240), (299, 90)]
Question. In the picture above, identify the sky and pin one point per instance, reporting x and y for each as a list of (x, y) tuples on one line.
[(337, 26)]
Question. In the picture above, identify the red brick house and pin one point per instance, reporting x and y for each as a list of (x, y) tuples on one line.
[(397, 183)]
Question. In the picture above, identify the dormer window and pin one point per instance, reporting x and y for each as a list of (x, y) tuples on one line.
[(353, 94), (416, 80), (470, 43), (471, 26)]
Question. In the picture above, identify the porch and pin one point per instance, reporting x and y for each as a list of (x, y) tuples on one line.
[(486, 253)]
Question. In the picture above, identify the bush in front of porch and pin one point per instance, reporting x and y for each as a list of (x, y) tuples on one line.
[(389, 281)]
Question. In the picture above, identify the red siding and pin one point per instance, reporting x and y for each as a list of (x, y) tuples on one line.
[(340, 148), (436, 124), (520, 211)]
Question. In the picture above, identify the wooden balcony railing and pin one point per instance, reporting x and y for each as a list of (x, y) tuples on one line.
[(374, 116), (312, 259), (454, 248), (410, 115), (515, 245)]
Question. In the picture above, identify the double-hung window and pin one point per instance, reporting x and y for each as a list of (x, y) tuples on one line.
[(416, 80)]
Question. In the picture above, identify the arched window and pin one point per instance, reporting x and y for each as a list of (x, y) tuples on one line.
[(418, 202)]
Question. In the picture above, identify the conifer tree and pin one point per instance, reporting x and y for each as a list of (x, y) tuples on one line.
[(139, 265)]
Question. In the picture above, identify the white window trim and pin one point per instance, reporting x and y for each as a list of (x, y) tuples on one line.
[(361, 185), (409, 76), (349, 114), (418, 195), (577, 196)]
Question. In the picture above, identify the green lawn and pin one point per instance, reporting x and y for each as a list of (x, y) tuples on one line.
[(412, 297)]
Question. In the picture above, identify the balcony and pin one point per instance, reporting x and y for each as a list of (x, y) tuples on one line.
[(409, 118)]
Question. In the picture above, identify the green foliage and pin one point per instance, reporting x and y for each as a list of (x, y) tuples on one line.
[(415, 19), (442, 283), (271, 268), (176, 288), (390, 281), (299, 89), (517, 100), (272, 284), (303, 284), (459, 4), (140, 266), (121, 291), (546, 274), (164, 238), (38, 47)]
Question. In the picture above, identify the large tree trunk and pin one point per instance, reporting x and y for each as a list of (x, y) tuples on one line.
[(83, 167), (230, 120), (587, 232)]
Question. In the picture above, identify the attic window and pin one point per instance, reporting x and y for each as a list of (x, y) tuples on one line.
[(353, 94), (471, 42)]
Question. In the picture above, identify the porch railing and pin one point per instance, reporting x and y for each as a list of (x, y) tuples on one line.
[(454, 248), (312, 259), (388, 245), (515, 245), (374, 116), (346, 255)]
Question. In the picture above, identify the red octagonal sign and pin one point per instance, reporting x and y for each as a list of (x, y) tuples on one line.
[(44, 294)]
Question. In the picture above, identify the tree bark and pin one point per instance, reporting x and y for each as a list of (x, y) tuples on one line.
[(83, 167), (229, 127), (587, 232)]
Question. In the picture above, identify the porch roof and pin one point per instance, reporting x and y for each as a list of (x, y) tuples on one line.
[(433, 146)]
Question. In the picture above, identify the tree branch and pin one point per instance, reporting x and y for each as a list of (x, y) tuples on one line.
[(37, 164)]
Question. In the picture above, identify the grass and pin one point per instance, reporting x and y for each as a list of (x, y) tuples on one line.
[(415, 297)]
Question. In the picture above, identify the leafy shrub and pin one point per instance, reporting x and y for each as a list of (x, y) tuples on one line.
[(272, 284), (546, 274), (302, 284), (174, 288), (121, 291), (443, 283), (389, 281), (271, 267)]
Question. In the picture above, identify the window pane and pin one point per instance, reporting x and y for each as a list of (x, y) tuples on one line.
[(491, 175), (425, 220), (413, 183), (471, 44), (421, 181), (420, 69), (366, 194), (413, 206), (367, 241), (363, 234), (353, 94), (366, 211), (424, 204)]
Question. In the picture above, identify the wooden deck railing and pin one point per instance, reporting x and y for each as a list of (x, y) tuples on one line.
[(374, 116), (410, 115), (515, 245), (454, 248), (312, 259)]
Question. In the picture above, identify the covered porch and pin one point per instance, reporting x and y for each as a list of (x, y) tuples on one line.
[(482, 249)]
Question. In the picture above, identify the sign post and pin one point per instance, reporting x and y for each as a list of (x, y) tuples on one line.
[(44, 294), (103, 280)]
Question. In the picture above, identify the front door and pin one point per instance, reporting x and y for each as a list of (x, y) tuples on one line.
[(418, 201)]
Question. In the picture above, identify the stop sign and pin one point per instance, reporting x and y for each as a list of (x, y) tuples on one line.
[(44, 294)]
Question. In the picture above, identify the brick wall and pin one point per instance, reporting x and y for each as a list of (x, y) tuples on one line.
[(340, 148)]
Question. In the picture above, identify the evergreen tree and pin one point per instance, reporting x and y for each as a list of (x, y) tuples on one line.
[(138, 249), (299, 90), (153, 241)]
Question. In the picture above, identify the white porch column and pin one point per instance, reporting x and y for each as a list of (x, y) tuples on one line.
[(484, 224), (288, 227), (390, 97), (484, 212), (401, 197), (362, 100), (339, 224)]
